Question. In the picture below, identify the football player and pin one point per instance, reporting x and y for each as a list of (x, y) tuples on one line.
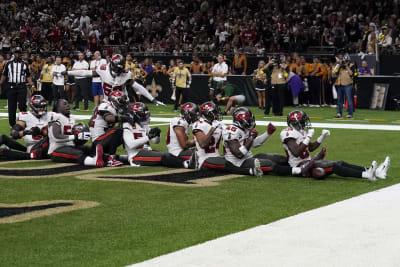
[(114, 78), (102, 123), (207, 131), (296, 140), (32, 127), (137, 135), (67, 143), (178, 143), (240, 137)]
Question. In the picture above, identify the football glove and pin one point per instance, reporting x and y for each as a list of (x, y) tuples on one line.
[(253, 133), (271, 129), (325, 133), (154, 132)]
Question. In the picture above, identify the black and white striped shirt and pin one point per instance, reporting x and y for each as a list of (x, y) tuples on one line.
[(16, 71)]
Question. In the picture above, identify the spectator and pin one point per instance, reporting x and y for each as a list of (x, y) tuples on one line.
[(364, 70), (219, 72), (344, 85), (240, 63), (278, 87), (181, 79), (70, 84), (47, 80), (197, 67), (260, 79), (58, 79), (82, 83), (315, 73), (97, 90), (147, 66)]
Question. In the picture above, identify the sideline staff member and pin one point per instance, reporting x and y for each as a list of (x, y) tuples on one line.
[(17, 72)]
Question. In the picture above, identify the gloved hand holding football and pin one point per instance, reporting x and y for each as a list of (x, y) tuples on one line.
[(154, 132)]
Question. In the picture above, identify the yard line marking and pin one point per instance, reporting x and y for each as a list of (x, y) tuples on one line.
[(159, 124), (375, 119), (360, 231), (383, 127)]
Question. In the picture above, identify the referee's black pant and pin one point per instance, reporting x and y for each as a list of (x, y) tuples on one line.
[(16, 95), (82, 91)]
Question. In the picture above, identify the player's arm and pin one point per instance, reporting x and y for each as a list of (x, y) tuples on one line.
[(204, 139), (239, 150), (131, 142), (17, 131), (108, 117), (259, 140), (82, 73), (183, 139), (314, 145), (57, 132)]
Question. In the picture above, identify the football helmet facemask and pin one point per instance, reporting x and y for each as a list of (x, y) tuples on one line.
[(38, 105), (210, 111), (140, 112)]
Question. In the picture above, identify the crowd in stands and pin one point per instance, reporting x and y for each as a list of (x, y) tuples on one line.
[(200, 26)]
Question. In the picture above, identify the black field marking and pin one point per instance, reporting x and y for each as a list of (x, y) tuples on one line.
[(179, 178), (11, 211), (44, 172)]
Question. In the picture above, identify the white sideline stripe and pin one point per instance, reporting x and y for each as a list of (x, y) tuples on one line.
[(361, 231), (384, 127)]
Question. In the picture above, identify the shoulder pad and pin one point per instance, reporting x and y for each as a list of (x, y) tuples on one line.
[(232, 132), (179, 122), (288, 133)]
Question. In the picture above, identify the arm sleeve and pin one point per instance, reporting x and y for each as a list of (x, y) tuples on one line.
[(260, 139), (141, 90), (83, 73), (130, 142)]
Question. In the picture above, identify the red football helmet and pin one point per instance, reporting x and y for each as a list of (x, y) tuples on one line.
[(298, 120), (117, 64), (38, 105), (210, 111), (119, 100), (243, 118), (140, 112), (190, 112)]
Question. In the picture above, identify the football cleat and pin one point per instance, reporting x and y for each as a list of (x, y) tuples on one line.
[(99, 156), (257, 168), (112, 162), (381, 171), (370, 172), (307, 167)]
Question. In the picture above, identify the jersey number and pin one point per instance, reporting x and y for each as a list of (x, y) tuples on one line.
[(108, 88), (67, 130)]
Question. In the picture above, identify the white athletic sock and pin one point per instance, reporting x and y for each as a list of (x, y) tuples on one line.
[(90, 161), (251, 171), (296, 170)]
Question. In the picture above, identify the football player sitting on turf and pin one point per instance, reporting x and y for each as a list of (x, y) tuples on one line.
[(67, 139), (296, 140), (32, 126), (102, 124), (137, 135), (207, 132), (178, 143), (240, 137), (114, 78)]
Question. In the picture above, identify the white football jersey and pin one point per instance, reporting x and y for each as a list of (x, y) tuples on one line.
[(33, 121), (135, 132), (173, 145), (111, 83), (213, 147), (97, 125), (232, 132), (299, 137), (66, 130)]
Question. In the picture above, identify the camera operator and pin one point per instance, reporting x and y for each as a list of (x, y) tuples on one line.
[(343, 72), (278, 86)]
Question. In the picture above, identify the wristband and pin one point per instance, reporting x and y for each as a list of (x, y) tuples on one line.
[(243, 150), (306, 141)]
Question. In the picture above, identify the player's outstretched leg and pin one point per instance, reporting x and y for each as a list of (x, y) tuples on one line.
[(345, 169), (383, 168), (214, 163), (11, 143)]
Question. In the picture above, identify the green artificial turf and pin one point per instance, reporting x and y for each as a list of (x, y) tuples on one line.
[(138, 221)]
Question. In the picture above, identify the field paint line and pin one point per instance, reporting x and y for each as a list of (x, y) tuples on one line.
[(360, 231), (159, 124), (383, 127)]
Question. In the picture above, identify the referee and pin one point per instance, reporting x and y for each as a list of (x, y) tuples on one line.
[(17, 73)]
